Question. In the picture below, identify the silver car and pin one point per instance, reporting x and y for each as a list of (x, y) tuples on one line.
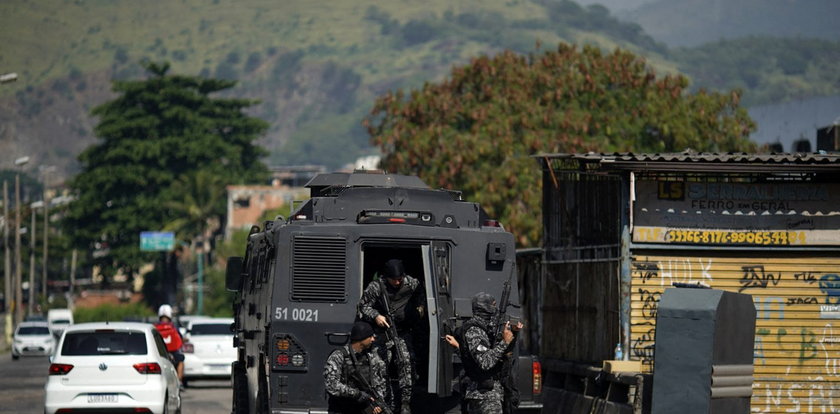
[(110, 367), (32, 338)]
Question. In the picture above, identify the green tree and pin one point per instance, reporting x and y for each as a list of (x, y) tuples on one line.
[(197, 200), (157, 131), (477, 130)]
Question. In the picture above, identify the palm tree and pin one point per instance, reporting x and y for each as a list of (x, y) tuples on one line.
[(197, 207)]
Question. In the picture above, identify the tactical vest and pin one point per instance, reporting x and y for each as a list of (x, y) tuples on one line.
[(350, 405), (471, 367), (399, 302)]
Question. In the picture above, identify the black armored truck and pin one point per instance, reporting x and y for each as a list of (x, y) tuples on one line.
[(301, 279)]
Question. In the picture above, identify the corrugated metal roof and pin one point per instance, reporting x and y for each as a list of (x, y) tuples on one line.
[(690, 160)]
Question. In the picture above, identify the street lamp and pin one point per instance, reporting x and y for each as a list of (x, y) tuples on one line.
[(18, 273)]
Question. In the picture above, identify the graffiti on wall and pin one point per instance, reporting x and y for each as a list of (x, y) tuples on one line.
[(797, 348)]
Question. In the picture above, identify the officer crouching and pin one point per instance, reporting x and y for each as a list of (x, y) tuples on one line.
[(355, 377)]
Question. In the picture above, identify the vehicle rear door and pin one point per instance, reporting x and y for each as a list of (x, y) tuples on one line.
[(436, 266)]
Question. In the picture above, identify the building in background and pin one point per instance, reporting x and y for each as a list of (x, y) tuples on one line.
[(247, 203)]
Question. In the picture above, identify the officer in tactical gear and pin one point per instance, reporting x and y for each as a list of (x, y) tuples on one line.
[(354, 376), (395, 305), (484, 356)]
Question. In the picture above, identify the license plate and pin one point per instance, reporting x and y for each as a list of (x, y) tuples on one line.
[(101, 398)]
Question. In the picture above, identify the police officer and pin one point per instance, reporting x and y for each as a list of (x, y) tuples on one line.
[(404, 297), (354, 376), (484, 357)]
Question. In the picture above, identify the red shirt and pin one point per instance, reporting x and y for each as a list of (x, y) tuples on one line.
[(170, 335)]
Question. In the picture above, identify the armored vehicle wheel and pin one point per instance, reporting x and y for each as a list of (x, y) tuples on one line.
[(240, 389), (262, 392)]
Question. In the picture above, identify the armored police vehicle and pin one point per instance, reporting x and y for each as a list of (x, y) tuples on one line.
[(301, 278)]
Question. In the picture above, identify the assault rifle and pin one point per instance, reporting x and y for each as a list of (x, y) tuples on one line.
[(378, 400), (391, 330), (500, 319), (510, 399)]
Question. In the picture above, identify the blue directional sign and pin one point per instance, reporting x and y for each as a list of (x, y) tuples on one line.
[(157, 241)]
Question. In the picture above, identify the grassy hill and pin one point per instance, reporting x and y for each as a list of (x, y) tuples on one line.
[(315, 65)]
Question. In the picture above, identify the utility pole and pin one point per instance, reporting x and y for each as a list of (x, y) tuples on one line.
[(7, 262), (73, 258), (7, 265), (32, 236), (18, 266), (200, 261), (18, 273), (46, 234)]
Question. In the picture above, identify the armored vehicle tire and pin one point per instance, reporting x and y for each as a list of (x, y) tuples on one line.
[(262, 391), (240, 390)]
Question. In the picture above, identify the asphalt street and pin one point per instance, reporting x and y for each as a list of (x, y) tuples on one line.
[(22, 384)]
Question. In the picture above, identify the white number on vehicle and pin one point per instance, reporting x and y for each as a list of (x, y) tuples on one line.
[(296, 314)]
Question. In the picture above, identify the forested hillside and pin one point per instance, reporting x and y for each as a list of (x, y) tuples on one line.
[(693, 22), (771, 70), (317, 66)]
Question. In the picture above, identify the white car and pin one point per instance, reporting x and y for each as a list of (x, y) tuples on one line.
[(208, 348), (32, 338), (183, 321), (110, 367), (58, 320)]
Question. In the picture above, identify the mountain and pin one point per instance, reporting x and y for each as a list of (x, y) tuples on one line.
[(316, 66), (695, 22)]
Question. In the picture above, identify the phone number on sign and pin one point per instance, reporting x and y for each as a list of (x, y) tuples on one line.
[(735, 237)]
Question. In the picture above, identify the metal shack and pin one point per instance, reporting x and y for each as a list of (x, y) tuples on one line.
[(621, 228)]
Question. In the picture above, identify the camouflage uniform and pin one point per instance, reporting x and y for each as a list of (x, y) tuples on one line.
[(483, 360), (344, 389), (405, 303)]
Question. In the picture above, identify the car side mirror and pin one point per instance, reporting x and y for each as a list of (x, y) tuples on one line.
[(233, 273)]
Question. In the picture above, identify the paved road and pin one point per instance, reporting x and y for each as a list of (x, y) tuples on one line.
[(22, 389)]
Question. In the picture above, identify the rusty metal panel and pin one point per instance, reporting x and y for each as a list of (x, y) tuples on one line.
[(797, 300), (581, 216), (580, 315)]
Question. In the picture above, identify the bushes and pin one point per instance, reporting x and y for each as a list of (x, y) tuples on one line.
[(112, 313)]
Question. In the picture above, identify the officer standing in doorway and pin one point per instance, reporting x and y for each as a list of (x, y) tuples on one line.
[(354, 376), (395, 304), (484, 357)]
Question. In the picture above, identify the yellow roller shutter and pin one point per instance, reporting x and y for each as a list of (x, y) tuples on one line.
[(797, 338)]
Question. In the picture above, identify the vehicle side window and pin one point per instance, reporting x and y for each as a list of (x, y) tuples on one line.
[(161, 347)]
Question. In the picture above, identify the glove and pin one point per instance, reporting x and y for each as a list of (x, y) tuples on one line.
[(364, 397)]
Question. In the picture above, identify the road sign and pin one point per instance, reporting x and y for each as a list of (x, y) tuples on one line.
[(157, 241)]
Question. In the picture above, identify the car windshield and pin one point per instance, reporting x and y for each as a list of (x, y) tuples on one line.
[(211, 329), (33, 330), (61, 321), (104, 343)]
